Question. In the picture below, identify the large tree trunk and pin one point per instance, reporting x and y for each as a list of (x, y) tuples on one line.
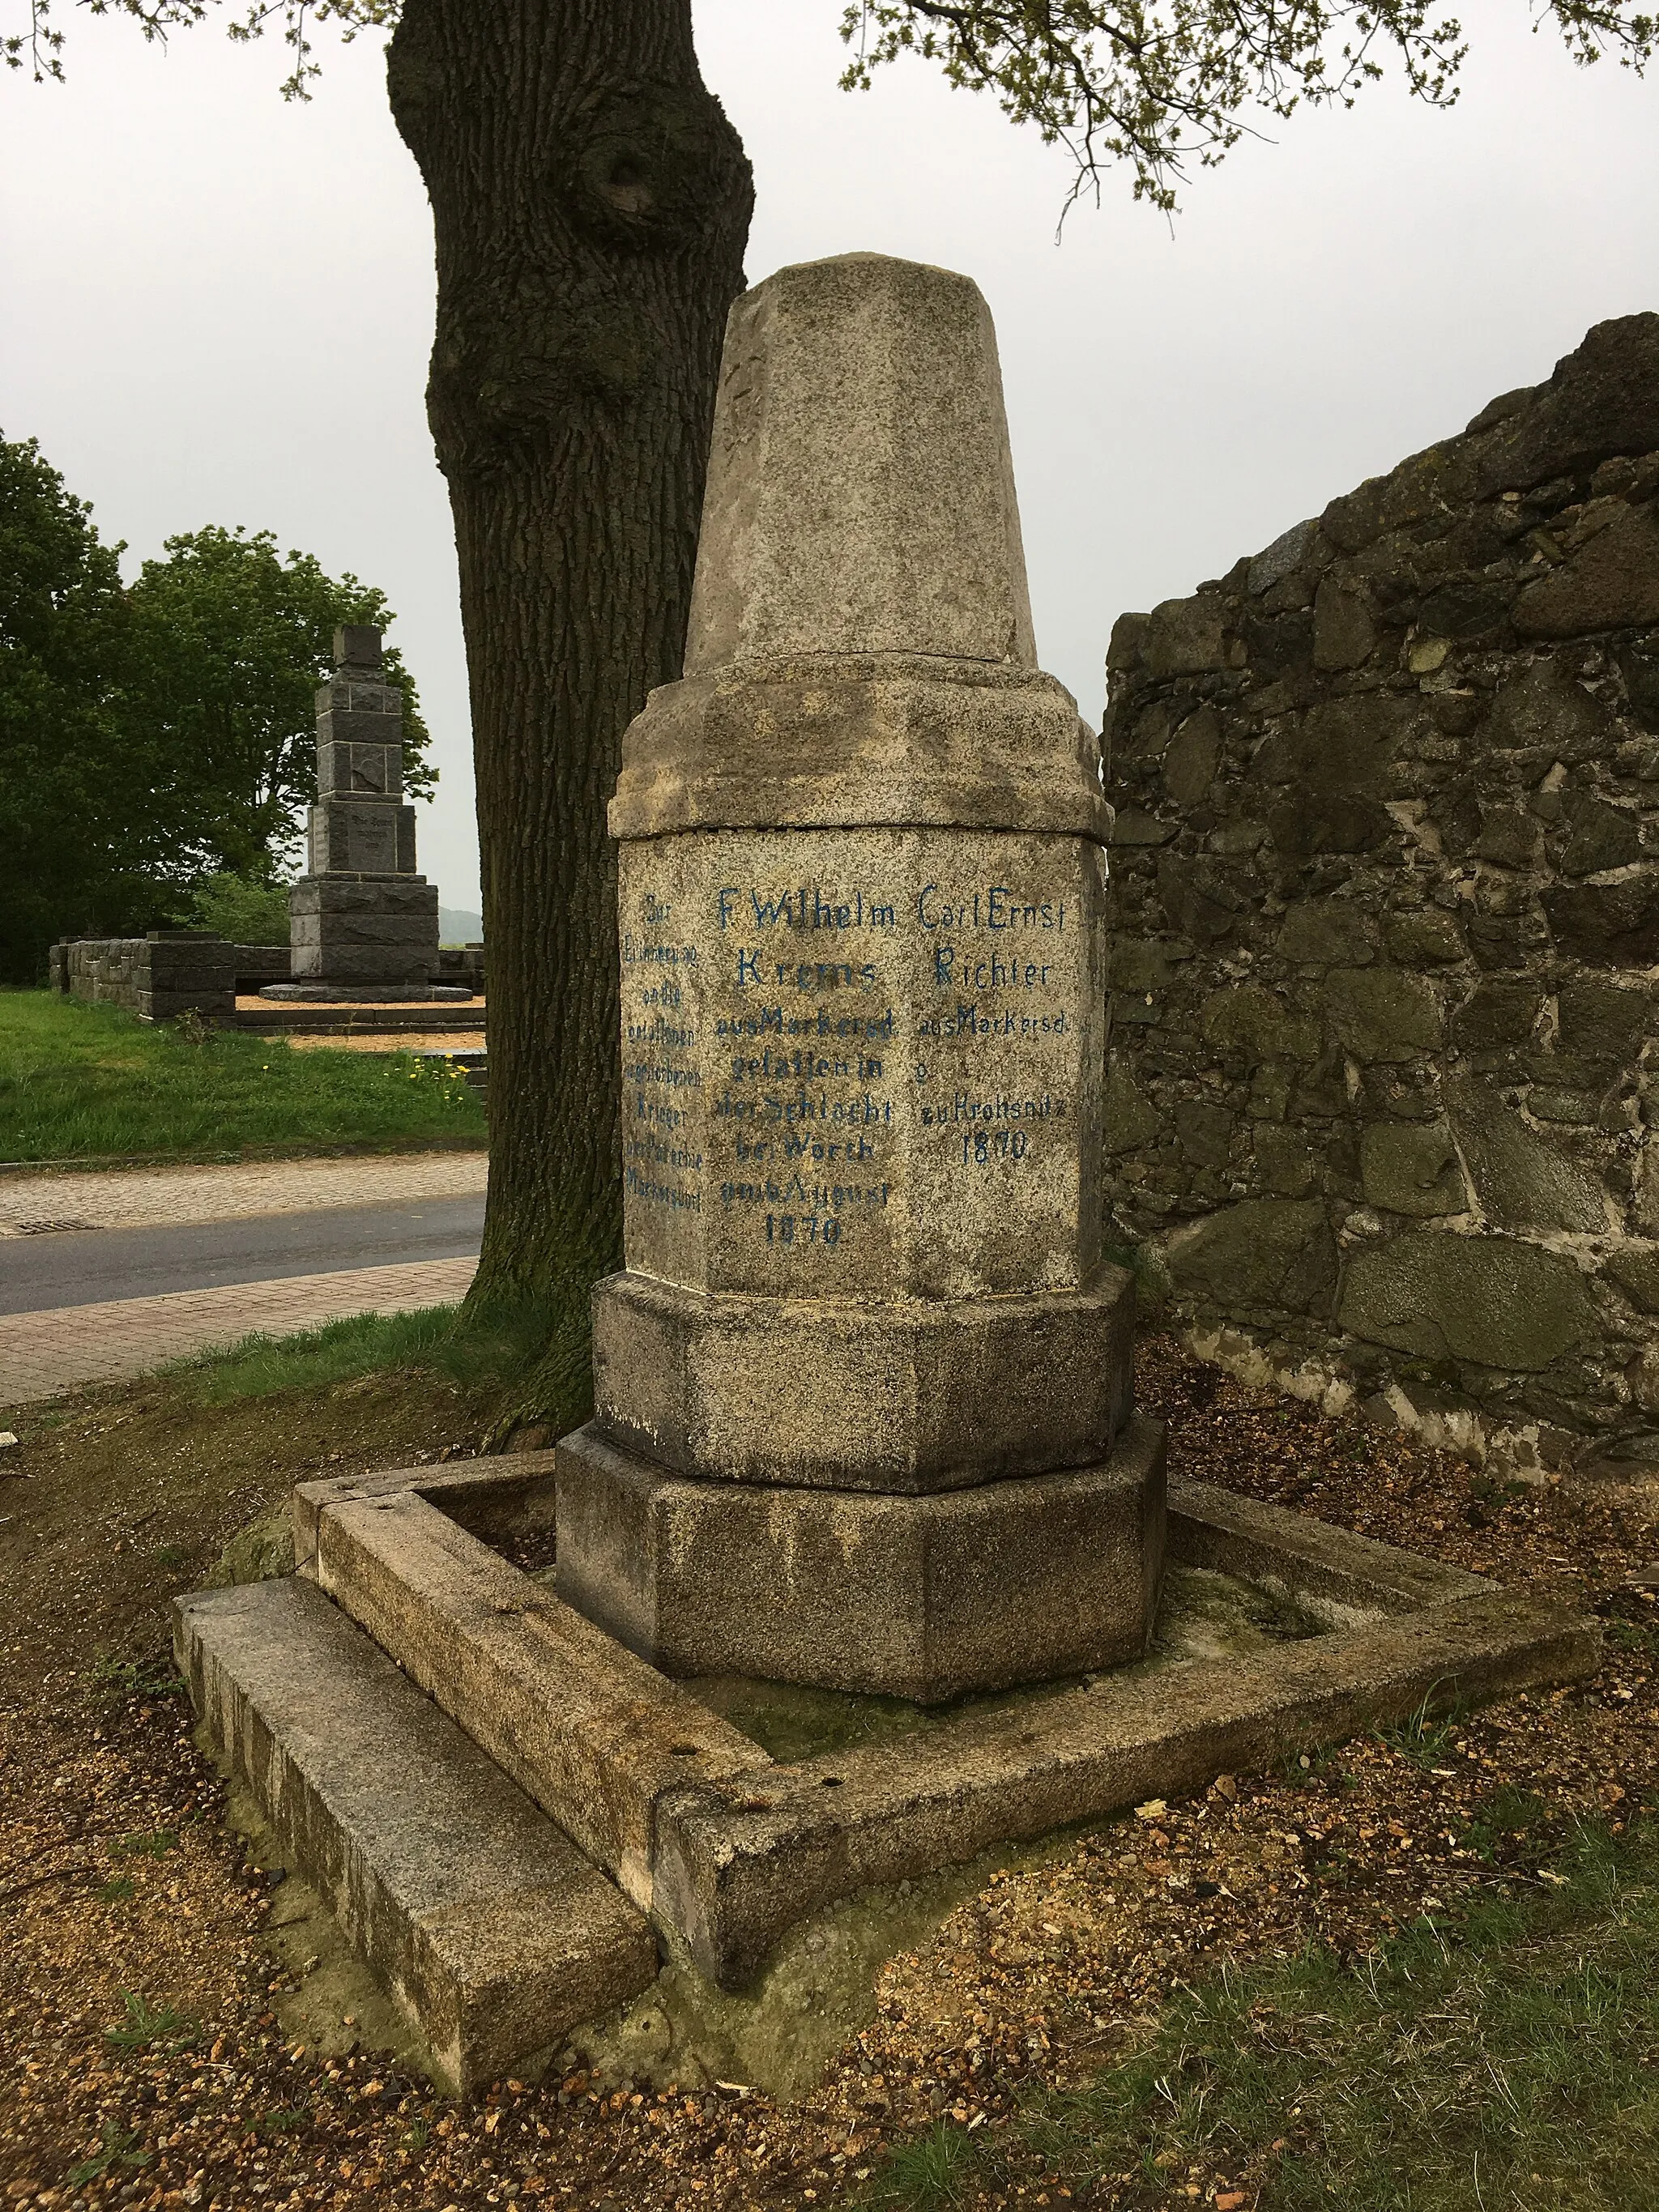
[(591, 204)]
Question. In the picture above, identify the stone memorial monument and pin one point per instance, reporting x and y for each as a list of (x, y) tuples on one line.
[(363, 925), (860, 1388)]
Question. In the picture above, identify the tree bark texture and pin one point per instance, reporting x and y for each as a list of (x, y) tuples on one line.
[(591, 204)]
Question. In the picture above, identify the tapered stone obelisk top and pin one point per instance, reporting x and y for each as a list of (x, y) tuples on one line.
[(860, 648), (860, 494)]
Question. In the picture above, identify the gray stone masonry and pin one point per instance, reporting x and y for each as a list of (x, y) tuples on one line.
[(1384, 1066), (158, 977), (168, 973), (492, 1931), (866, 1355), (724, 1848), (360, 914)]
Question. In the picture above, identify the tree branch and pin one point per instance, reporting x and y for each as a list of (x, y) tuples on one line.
[(1162, 84)]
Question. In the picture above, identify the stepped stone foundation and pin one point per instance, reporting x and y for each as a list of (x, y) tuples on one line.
[(863, 1412), (1384, 1065)]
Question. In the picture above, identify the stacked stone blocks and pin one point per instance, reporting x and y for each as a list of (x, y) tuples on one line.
[(158, 977), (1385, 881), (360, 913)]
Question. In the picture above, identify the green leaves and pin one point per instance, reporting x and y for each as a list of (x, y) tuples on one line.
[(74, 822), (116, 2148), (154, 737), (146, 2023), (39, 49), (242, 909), (1161, 84)]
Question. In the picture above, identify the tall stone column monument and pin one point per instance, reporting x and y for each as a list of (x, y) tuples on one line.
[(860, 1387), (362, 923)]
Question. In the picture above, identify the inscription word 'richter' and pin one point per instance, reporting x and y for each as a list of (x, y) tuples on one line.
[(861, 1390)]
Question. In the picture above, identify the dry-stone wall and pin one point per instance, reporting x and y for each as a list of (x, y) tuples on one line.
[(1384, 1059), (169, 972)]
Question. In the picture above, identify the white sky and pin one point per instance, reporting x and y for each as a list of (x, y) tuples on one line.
[(215, 308)]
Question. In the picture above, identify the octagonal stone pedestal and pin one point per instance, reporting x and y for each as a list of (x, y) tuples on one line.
[(860, 1387), (1032, 1579), (860, 1392)]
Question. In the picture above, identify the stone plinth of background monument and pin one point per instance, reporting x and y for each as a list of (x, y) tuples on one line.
[(861, 1391), (363, 922), (1385, 904)]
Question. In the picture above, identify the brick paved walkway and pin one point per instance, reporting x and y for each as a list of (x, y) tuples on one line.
[(43, 1353), (139, 1198)]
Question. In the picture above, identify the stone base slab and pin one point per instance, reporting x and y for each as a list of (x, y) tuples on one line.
[(363, 928), (906, 1396), (736, 1858), (923, 1598), (394, 1017), (580, 1724), (494, 1932), (398, 896), (734, 1872)]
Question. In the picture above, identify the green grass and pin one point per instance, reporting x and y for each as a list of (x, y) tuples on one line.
[(117, 2150), (155, 1845), (89, 1082), (290, 2120), (927, 2175), (146, 2023), (494, 1346), (110, 1680), (1508, 2061), (1426, 1739)]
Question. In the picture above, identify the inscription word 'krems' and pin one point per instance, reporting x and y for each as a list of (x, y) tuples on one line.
[(861, 887)]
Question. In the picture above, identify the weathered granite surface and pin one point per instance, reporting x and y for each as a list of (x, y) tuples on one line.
[(726, 1847), (1385, 901), (861, 491), (861, 895), (1030, 1579), (494, 1932)]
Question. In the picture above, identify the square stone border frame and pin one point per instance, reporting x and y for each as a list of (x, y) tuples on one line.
[(726, 1849)]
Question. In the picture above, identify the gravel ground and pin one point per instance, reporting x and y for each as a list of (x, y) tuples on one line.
[(144, 2063)]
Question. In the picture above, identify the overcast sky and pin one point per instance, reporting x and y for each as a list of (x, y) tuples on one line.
[(217, 307)]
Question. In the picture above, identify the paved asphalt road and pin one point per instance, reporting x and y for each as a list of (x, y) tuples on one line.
[(76, 1268)]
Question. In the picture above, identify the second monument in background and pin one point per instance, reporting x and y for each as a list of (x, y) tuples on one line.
[(863, 1391), (363, 925)]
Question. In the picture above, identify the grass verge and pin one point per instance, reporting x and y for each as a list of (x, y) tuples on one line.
[(82, 1082), (1506, 2060), (489, 1350), (117, 1497)]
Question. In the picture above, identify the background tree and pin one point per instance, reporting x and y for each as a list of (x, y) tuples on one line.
[(227, 643), (242, 909), (83, 846), (156, 739), (590, 204)]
